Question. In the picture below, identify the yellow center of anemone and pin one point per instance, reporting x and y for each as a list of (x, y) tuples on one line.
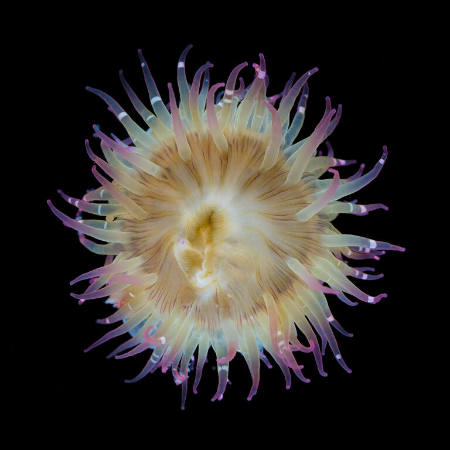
[(195, 251)]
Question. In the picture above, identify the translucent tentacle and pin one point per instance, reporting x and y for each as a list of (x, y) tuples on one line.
[(357, 174), (132, 207), (122, 329), (341, 282), (193, 96), (134, 131), (177, 342), (222, 370), (248, 102), (203, 92), (272, 151), (183, 86), (104, 235), (334, 122), (297, 121), (180, 135), (330, 338), (357, 184), (155, 97), (103, 292), (213, 125), (298, 314), (118, 175), (125, 346), (309, 147), (98, 194), (335, 208), (229, 94), (317, 205), (151, 363), (127, 153), (202, 353), (140, 280), (99, 209), (288, 85), (138, 105), (273, 323), (117, 316), (232, 349), (288, 101), (350, 240), (115, 267), (291, 151), (300, 270), (100, 249), (253, 356), (284, 368)]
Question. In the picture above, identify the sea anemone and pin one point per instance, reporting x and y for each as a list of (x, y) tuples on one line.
[(217, 228)]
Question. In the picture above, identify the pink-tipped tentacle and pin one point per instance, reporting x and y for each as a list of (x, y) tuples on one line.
[(273, 150), (132, 207), (104, 235), (194, 93), (180, 135), (213, 124), (317, 205), (288, 101), (300, 270)]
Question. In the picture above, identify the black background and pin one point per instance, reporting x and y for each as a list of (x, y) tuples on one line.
[(368, 60)]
